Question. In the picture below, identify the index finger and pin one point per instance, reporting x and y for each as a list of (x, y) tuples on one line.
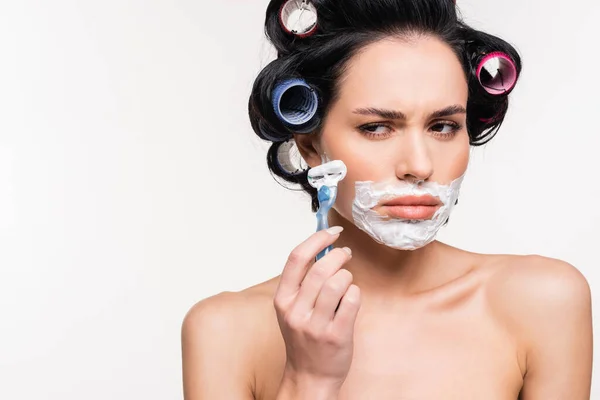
[(302, 256)]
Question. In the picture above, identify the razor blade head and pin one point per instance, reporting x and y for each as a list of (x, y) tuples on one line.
[(328, 174)]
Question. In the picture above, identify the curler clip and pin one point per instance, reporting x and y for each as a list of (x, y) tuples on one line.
[(298, 17)]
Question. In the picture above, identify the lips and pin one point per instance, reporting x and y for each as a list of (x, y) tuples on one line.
[(426, 200), (411, 207)]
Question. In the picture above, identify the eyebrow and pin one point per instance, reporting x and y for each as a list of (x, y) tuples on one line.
[(393, 114)]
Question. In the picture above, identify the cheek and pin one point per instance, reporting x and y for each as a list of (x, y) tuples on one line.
[(357, 172), (358, 155), (453, 161), (362, 158), (345, 197)]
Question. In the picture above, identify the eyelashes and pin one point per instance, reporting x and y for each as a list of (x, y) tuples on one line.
[(373, 130)]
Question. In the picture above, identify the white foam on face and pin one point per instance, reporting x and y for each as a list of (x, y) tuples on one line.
[(399, 233)]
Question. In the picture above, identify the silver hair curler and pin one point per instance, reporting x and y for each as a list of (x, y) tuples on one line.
[(298, 18)]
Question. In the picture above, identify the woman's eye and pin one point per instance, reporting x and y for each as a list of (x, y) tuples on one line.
[(440, 128), (446, 128), (375, 130), (382, 131)]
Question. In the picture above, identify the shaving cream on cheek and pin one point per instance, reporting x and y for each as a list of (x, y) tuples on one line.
[(399, 233)]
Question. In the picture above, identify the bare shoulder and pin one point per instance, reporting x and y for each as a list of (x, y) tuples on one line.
[(529, 281), (219, 337), (534, 293), (223, 313), (545, 305), (227, 314)]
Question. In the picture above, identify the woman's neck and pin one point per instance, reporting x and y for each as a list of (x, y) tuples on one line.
[(383, 272)]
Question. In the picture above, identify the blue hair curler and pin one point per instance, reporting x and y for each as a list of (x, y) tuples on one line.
[(295, 103)]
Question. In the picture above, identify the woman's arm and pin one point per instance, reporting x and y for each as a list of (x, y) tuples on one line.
[(215, 350), (550, 303)]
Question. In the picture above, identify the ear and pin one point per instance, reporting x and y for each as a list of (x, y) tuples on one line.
[(308, 145)]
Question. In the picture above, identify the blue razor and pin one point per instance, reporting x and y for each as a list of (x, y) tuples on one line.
[(325, 178)]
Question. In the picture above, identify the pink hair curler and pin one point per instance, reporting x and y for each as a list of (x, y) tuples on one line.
[(497, 73), (298, 17)]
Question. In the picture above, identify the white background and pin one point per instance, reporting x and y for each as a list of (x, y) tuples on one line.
[(131, 184)]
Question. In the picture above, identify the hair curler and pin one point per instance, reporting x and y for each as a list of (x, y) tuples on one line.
[(296, 103), (298, 17)]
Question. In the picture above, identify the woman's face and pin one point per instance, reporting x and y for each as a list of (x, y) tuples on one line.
[(400, 115)]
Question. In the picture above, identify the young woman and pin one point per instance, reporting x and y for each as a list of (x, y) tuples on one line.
[(398, 91)]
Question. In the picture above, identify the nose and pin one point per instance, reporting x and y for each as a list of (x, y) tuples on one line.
[(414, 161)]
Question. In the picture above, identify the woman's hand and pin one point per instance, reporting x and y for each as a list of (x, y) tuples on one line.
[(318, 335)]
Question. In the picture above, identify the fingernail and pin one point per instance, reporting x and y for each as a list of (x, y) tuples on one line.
[(347, 250), (334, 230)]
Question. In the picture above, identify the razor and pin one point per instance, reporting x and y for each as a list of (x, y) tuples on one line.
[(325, 178)]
